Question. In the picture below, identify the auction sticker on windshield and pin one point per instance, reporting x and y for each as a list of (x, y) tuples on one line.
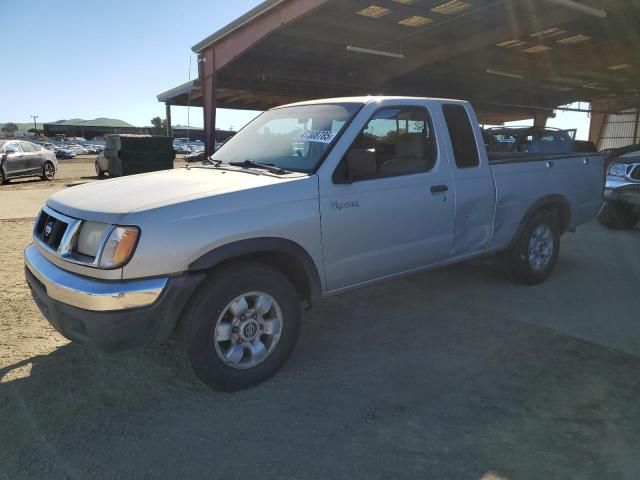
[(321, 136)]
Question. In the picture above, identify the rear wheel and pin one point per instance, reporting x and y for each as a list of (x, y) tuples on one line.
[(533, 256), (48, 171), (618, 216), (241, 326), (2, 177)]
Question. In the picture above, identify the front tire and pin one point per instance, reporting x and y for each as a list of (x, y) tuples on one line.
[(241, 326), (2, 177), (48, 171), (99, 172), (618, 216), (532, 258)]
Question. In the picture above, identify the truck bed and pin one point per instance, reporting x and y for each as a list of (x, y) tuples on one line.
[(522, 179)]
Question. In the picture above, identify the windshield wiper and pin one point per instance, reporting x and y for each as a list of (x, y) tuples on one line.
[(264, 166), (212, 161)]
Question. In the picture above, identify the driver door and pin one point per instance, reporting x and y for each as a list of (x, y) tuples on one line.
[(400, 217)]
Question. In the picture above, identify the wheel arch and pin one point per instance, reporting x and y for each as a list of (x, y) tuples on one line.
[(556, 203), (285, 255)]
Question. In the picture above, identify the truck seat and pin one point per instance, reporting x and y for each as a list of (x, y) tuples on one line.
[(411, 156)]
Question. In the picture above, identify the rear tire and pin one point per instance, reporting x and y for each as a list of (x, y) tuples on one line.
[(48, 171), (2, 177), (618, 216), (230, 333), (533, 256)]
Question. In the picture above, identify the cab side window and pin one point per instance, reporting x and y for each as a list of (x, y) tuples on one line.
[(397, 141)]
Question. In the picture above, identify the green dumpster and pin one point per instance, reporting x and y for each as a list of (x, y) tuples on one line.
[(131, 154)]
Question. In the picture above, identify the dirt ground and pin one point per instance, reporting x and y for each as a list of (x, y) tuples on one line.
[(451, 374)]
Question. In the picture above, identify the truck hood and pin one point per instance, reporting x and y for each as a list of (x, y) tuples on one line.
[(110, 200)]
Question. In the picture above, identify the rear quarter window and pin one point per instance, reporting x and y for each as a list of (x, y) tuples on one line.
[(29, 147), (463, 141)]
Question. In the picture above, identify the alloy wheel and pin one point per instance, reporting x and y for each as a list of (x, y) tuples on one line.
[(540, 247), (248, 330)]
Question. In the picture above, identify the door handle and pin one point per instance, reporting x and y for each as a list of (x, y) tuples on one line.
[(439, 189), (549, 164)]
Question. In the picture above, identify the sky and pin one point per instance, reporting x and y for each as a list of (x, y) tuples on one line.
[(90, 59)]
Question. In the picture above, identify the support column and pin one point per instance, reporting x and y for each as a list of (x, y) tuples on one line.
[(596, 126), (208, 82), (168, 117), (540, 119)]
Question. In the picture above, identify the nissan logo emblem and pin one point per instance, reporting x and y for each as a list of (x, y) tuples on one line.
[(48, 229), (250, 329)]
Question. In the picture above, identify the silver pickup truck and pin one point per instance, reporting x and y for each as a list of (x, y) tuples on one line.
[(308, 200)]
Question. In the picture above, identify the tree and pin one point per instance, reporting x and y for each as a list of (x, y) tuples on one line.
[(10, 128), (159, 125)]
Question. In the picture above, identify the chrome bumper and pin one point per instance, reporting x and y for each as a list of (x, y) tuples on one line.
[(90, 294), (627, 190)]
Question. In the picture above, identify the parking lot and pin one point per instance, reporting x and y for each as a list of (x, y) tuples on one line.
[(449, 374)]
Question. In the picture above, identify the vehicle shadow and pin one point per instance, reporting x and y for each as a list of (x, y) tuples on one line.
[(94, 177), (23, 181), (394, 381)]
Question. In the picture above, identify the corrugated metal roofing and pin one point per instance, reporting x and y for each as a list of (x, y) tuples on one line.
[(620, 130)]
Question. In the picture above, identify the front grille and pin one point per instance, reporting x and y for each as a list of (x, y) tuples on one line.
[(50, 230), (635, 173)]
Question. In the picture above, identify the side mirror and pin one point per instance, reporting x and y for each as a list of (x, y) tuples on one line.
[(9, 151), (360, 164)]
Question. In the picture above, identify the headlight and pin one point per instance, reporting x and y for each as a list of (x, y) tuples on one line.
[(90, 237), (119, 247), (618, 170)]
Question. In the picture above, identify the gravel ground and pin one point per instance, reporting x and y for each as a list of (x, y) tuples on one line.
[(453, 374)]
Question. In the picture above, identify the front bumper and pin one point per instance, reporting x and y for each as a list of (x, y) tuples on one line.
[(621, 190), (107, 315), (90, 294)]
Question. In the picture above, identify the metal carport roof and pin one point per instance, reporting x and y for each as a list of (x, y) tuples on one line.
[(510, 57)]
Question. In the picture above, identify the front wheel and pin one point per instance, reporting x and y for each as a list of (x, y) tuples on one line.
[(2, 177), (618, 216), (48, 171), (241, 326), (99, 172), (532, 258)]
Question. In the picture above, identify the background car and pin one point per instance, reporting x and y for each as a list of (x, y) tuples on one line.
[(63, 153), (89, 148), (610, 154), (102, 165), (26, 159), (529, 139), (181, 148), (78, 149), (197, 156), (621, 208)]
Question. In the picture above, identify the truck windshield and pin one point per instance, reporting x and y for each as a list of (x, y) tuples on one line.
[(292, 138)]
